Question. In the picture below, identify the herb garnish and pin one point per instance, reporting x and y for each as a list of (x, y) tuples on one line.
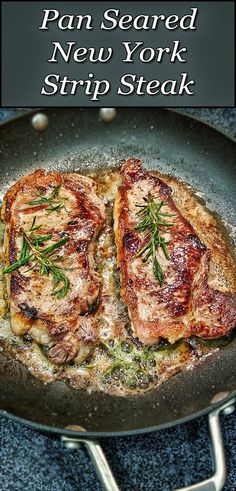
[(33, 252), (54, 202), (153, 222)]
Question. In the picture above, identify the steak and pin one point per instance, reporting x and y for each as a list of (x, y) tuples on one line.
[(182, 302), (51, 300)]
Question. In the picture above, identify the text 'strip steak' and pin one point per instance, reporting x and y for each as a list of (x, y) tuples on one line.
[(52, 221), (167, 290)]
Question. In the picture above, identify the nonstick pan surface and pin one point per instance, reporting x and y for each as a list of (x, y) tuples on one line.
[(76, 140)]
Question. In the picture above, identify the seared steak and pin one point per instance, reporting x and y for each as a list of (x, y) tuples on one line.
[(182, 303), (51, 301)]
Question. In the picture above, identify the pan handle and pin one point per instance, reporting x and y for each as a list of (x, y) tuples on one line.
[(217, 481), (214, 483), (98, 458)]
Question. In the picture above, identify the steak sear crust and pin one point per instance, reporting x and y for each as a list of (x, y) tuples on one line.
[(64, 324), (185, 304)]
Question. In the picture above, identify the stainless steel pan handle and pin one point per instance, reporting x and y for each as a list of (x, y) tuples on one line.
[(98, 458), (214, 483), (217, 481)]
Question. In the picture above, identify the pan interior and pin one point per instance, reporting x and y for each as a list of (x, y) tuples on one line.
[(76, 140)]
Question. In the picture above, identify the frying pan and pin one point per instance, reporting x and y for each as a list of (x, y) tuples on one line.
[(76, 140)]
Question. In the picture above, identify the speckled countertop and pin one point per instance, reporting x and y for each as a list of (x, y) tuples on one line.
[(159, 461)]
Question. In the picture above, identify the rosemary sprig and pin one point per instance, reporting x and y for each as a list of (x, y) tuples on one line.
[(33, 252), (152, 223), (54, 202)]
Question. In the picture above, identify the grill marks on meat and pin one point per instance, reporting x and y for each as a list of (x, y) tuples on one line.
[(61, 323), (185, 304)]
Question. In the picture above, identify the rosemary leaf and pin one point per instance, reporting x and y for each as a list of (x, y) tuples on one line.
[(55, 246), (158, 271), (42, 238), (18, 264), (24, 249), (55, 190), (42, 257), (53, 201), (152, 224)]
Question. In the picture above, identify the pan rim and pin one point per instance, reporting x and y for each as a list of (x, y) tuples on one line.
[(170, 109), (90, 435), (109, 434)]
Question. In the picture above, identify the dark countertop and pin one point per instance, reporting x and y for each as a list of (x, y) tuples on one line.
[(159, 461)]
